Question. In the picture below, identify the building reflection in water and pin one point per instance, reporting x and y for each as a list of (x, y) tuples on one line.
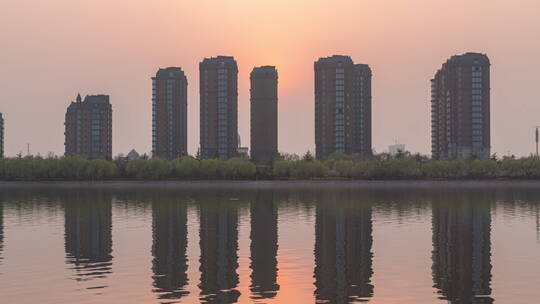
[(462, 250), (538, 222), (219, 244), (264, 237), (343, 257), (1, 230), (88, 241), (169, 264)]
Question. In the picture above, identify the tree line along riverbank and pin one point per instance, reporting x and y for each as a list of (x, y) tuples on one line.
[(337, 166)]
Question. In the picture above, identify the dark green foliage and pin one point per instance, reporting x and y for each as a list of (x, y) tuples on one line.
[(299, 169), (238, 168), (210, 168), (337, 165), (307, 169), (155, 168), (520, 168), (281, 168), (308, 157), (186, 168), (344, 168), (65, 168), (234, 168), (442, 169), (396, 168), (484, 168)]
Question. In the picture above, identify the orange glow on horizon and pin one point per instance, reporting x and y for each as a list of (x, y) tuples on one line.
[(113, 47)]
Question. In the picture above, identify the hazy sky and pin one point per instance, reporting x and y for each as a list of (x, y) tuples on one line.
[(53, 49)]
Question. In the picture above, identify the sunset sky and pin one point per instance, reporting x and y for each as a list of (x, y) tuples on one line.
[(53, 49)]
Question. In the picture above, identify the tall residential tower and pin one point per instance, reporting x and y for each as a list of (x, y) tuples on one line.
[(169, 113), (264, 105), (460, 107), (89, 127), (342, 106), (218, 107)]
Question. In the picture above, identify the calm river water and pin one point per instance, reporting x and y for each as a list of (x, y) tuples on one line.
[(270, 243)]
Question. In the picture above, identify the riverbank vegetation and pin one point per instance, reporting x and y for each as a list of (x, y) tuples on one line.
[(285, 167)]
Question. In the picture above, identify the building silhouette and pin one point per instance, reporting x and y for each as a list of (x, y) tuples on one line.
[(219, 258), (1, 136), (264, 245), (132, 155), (218, 107), (169, 113), (343, 256), (460, 108), (88, 237), (88, 127), (462, 251), (264, 114), (342, 106), (169, 263)]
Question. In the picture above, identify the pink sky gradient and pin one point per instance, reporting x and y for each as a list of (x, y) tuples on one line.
[(53, 49)]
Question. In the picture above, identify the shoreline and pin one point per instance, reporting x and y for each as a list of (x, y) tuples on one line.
[(272, 184)]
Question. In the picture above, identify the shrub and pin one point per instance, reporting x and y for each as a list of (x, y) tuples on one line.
[(186, 168), (238, 168), (483, 168), (303, 169), (210, 168), (281, 169)]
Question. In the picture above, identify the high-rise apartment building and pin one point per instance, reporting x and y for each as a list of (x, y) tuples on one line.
[(460, 107), (89, 127), (342, 106), (169, 113), (1, 135), (264, 105), (218, 107)]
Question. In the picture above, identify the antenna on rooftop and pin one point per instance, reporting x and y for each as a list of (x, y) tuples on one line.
[(536, 137)]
